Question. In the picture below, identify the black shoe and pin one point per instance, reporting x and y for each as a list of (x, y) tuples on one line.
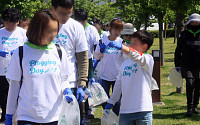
[(195, 111), (189, 113), (89, 115), (2, 119)]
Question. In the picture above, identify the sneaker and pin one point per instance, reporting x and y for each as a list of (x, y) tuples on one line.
[(195, 111), (89, 115), (189, 113)]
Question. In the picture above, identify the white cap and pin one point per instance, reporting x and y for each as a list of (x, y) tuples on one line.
[(128, 29), (195, 17)]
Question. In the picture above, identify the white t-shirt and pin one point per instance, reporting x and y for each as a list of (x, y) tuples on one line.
[(72, 38), (40, 95), (134, 84), (92, 37), (111, 61), (10, 41), (104, 34)]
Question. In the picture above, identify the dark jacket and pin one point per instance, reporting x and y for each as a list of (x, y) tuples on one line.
[(187, 54)]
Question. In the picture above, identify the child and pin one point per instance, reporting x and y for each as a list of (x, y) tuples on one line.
[(11, 37), (134, 81), (45, 70), (111, 59)]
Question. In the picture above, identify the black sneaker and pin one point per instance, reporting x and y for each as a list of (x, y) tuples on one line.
[(195, 111), (89, 115), (189, 113)]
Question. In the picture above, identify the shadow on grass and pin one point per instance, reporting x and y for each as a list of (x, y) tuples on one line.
[(169, 53), (169, 60), (176, 116)]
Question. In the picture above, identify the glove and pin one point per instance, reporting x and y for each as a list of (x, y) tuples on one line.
[(177, 69), (115, 45), (67, 93), (3, 53), (92, 80), (88, 93), (102, 48), (11, 52), (80, 94), (108, 106), (8, 119)]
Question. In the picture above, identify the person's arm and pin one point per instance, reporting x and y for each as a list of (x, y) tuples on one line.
[(97, 54), (82, 66), (117, 91), (178, 52), (13, 94)]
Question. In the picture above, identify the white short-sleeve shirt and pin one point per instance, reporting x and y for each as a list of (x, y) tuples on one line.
[(72, 38), (10, 41)]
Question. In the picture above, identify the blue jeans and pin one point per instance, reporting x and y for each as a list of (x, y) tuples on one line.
[(140, 118), (106, 85)]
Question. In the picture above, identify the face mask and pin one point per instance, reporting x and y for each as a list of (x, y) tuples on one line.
[(193, 28)]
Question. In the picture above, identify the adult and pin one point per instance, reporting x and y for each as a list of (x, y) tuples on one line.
[(187, 60), (11, 37), (98, 24), (111, 59), (71, 37), (43, 70), (92, 37), (127, 33)]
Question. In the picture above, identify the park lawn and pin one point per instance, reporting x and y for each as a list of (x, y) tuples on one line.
[(172, 113)]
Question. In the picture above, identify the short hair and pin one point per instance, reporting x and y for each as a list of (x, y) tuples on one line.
[(116, 24), (38, 25), (81, 14), (144, 36), (62, 3), (11, 15)]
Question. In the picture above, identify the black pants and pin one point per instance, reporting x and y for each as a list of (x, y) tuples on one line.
[(33, 123), (192, 91), (4, 86)]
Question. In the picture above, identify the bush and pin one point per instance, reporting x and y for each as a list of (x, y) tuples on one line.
[(170, 33)]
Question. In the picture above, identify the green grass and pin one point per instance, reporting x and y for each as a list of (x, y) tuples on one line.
[(172, 113)]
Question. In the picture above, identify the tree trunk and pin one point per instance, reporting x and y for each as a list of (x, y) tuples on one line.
[(160, 22), (179, 26)]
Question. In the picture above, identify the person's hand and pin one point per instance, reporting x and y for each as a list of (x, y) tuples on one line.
[(115, 44), (108, 106), (80, 94), (177, 69), (11, 52), (3, 53), (92, 80), (8, 119), (102, 48), (67, 93)]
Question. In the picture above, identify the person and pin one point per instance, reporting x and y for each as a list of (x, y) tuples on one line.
[(1, 23), (98, 24), (11, 37), (134, 81), (107, 27), (111, 59), (44, 74), (72, 38), (187, 60), (92, 37), (24, 23), (127, 32)]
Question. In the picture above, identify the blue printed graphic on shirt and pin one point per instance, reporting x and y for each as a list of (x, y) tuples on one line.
[(40, 67), (111, 50), (9, 41), (129, 70), (61, 39)]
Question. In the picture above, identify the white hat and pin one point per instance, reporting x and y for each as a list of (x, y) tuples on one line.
[(195, 17), (128, 29)]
